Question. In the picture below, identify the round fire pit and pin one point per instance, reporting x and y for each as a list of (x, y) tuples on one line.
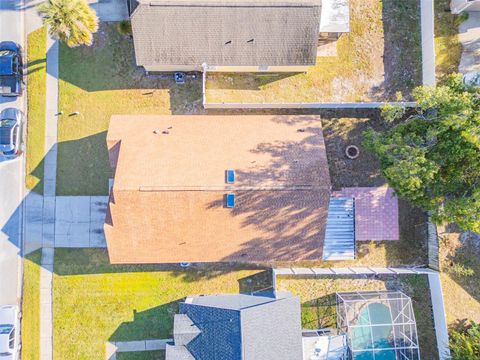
[(352, 152)]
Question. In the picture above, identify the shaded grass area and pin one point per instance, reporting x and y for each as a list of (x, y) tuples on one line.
[(460, 265), (378, 58), (31, 306), (448, 49), (317, 296), (97, 82), (94, 301), (142, 355), (36, 89)]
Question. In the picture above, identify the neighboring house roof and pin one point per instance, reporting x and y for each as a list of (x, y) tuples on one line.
[(170, 184), (226, 33), (240, 327)]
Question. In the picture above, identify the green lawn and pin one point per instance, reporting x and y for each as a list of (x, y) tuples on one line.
[(448, 49), (100, 81), (317, 296), (94, 302), (31, 306), (36, 88), (378, 58)]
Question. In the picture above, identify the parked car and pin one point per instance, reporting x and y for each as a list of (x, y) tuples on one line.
[(9, 332), (11, 69), (11, 124), (472, 78)]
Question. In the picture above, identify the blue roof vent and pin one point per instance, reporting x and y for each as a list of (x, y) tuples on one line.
[(230, 176), (230, 200)]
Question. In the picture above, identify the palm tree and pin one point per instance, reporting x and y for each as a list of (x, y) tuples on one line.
[(71, 21)]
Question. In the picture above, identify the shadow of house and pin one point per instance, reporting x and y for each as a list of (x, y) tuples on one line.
[(86, 158), (154, 323)]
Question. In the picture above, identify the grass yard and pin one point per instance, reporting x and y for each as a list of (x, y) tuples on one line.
[(95, 302), (31, 307), (378, 58), (36, 88), (460, 265), (317, 296), (448, 49), (97, 82)]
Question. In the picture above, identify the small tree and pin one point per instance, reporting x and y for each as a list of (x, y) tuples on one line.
[(433, 158), (465, 343), (124, 27), (71, 21)]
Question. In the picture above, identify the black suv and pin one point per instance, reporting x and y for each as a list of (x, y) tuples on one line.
[(11, 69)]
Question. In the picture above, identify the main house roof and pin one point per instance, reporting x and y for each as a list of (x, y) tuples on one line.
[(168, 197), (237, 327), (226, 33)]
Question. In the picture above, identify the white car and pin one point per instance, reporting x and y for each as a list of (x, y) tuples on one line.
[(472, 78), (9, 332)]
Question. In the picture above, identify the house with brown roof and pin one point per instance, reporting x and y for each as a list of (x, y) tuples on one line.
[(217, 188), (233, 36)]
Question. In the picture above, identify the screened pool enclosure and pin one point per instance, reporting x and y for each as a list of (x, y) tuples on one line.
[(379, 325)]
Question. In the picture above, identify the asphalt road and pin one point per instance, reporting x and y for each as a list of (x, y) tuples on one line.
[(11, 174)]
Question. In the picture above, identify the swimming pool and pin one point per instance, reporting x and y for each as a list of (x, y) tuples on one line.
[(373, 331)]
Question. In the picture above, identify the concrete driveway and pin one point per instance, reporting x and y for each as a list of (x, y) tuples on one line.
[(469, 36), (11, 173)]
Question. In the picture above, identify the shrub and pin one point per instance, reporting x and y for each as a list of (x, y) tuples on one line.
[(125, 27)]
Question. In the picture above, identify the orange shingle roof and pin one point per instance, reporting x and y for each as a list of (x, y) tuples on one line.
[(168, 205)]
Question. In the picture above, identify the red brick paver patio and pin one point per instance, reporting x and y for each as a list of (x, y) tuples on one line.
[(376, 212)]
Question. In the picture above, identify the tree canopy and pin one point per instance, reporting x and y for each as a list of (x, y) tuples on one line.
[(465, 343), (432, 158), (71, 21)]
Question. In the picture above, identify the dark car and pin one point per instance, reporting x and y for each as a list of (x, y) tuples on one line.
[(11, 121), (11, 69)]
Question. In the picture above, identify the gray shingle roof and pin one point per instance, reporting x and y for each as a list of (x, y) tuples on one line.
[(226, 33), (241, 327)]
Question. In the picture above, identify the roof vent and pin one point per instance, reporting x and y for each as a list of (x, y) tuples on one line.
[(251, 41), (230, 200), (228, 42), (230, 176)]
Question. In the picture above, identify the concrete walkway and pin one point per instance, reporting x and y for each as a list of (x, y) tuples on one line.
[(49, 199), (428, 42), (133, 346), (469, 37)]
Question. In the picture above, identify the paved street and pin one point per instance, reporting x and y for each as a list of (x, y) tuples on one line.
[(11, 174)]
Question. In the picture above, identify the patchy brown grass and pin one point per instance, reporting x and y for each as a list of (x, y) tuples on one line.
[(378, 58), (460, 265)]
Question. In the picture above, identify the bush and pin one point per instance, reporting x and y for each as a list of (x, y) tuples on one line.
[(465, 343), (125, 27)]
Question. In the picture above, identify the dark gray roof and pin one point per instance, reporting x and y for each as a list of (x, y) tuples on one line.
[(226, 33), (240, 327)]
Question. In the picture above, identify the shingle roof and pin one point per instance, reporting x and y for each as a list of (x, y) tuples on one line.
[(243, 327), (172, 186), (226, 33)]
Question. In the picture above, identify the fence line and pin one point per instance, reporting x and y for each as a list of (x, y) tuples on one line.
[(339, 105), (433, 246)]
